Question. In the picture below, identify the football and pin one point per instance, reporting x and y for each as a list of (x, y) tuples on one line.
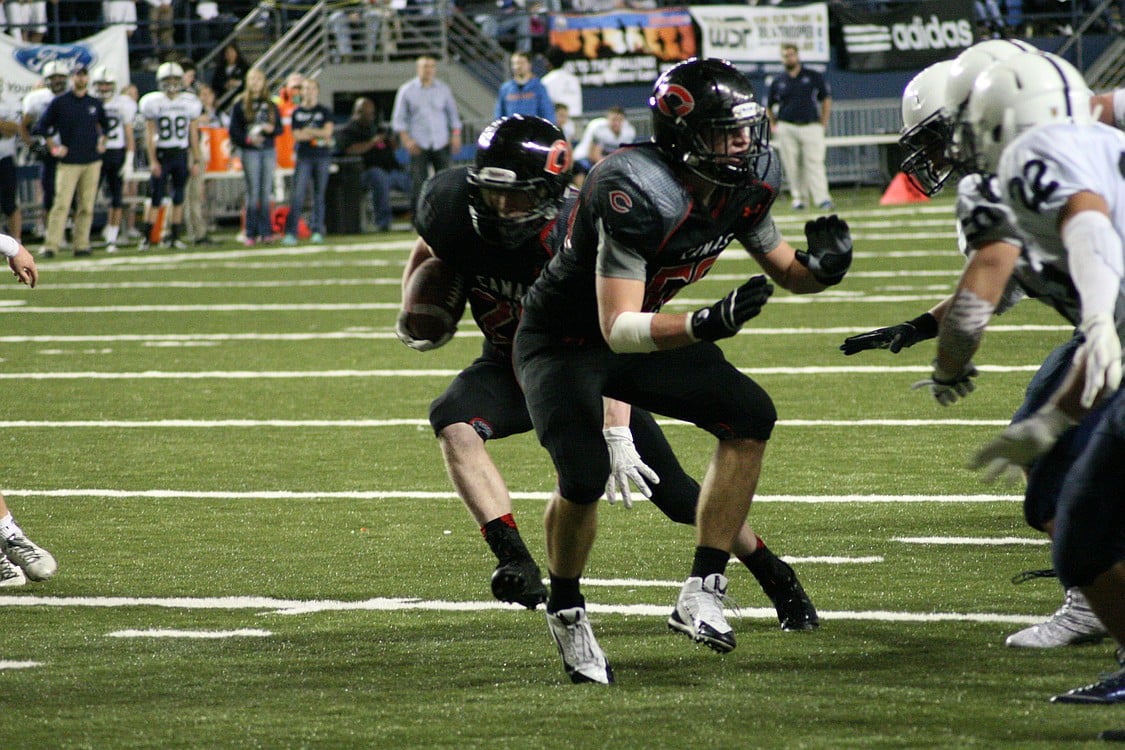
[(434, 300)]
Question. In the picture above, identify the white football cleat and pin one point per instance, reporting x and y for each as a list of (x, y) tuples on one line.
[(699, 613), (582, 656), (1071, 624), (37, 563)]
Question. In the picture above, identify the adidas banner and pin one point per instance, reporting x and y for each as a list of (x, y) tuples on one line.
[(908, 36)]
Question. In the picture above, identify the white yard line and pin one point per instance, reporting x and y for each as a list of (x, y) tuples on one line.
[(206, 634), (301, 607), (974, 541)]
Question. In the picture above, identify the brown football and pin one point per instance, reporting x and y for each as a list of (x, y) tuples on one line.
[(434, 300)]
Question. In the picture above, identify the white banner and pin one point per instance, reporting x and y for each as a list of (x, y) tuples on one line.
[(21, 63), (743, 34)]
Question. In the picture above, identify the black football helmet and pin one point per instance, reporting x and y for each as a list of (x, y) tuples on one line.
[(516, 186), (693, 103)]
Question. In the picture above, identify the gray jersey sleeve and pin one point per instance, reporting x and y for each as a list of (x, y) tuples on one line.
[(762, 237), (616, 260)]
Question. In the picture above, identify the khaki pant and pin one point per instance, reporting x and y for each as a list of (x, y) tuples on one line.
[(802, 152), (69, 179), (195, 204)]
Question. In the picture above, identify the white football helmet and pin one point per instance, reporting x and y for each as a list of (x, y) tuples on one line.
[(105, 82), (56, 68), (1018, 94), (926, 128), (170, 77), (974, 61)]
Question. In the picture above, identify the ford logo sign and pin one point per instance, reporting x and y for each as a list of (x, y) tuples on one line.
[(36, 56)]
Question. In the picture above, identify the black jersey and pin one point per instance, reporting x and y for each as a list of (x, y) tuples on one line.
[(654, 231), (497, 277)]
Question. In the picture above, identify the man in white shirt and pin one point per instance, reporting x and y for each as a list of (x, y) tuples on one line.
[(604, 135), (562, 86)]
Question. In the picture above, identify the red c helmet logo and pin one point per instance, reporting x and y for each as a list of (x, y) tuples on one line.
[(559, 158), (675, 101)]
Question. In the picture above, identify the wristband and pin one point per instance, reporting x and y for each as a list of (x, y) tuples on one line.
[(9, 246), (632, 333)]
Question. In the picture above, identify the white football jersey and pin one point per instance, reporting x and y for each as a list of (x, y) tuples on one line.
[(172, 117), (35, 102), (121, 110), (982, 218), (1042, 169), (10, 111)]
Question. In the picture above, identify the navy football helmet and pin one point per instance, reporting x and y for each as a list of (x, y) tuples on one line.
[(695, 107), (523, 166)]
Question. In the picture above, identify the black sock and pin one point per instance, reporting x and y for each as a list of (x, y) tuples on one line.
[(773, 574), (177, 231), (504, 540), (709, 560), (564, 594)]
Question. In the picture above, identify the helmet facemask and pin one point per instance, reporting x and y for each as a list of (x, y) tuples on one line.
[(926, 145), (728, 151), (507, 210)]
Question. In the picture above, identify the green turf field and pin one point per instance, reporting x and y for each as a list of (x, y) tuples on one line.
[(228, 453)]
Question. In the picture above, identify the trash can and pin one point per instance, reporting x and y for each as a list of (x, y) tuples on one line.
[(344, 200)]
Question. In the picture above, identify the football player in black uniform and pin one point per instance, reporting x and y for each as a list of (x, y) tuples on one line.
[(491, 222), (650, 219)]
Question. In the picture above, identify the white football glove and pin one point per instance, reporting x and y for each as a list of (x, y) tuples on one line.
[(625, 466), (1020, 444), (946, 388), (422, 345), (1102, 355)]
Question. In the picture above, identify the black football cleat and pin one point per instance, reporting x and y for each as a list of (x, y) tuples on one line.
[(1110, 689), (519, 582), (795, 611)]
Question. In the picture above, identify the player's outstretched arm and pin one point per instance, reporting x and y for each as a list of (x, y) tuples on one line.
[(896, 338)]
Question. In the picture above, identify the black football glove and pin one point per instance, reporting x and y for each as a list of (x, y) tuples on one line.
[(895, 338), (830, 249), (726, 316)]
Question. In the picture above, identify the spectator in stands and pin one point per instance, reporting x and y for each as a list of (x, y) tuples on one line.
[(562, 85), (230, 72), (312, 130), (382, 172), (509, 25), (10, 129), (121, 12), (799, 126), (27, 19), (75, 126), (160, 28), (288, 99), (523, 93), (191, 86), (428, 125), (35, 103), (254, 124), (372, 23), (566, 125), (604, 135), (196, 208)]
